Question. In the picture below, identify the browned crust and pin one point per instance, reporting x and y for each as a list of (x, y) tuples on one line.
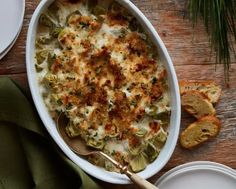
[(212, 119), (101, 74)]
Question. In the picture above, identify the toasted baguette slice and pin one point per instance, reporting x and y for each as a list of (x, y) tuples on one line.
[(210, 88), (197, 104), (200, 131)]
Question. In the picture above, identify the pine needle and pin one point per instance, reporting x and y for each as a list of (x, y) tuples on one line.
[(219, 18)]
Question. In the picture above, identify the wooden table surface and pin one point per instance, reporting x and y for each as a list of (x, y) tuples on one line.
[(191, 55)]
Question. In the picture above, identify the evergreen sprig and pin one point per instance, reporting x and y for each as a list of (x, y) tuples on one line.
[(219, 18)]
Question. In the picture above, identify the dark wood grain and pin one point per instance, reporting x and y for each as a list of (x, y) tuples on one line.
[(192, 58)]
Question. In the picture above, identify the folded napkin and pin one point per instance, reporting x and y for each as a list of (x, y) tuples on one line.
[(28, 156)]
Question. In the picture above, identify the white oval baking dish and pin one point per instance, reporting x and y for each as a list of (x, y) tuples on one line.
[(95, 171)]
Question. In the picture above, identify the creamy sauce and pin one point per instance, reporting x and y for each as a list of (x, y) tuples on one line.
[(71, 74)]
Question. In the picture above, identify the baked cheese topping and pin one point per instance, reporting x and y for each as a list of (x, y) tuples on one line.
[(96, 66)]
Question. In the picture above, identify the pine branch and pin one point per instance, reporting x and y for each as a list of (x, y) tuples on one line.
[(219, 18)]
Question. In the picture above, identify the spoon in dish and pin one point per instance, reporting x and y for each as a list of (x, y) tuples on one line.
[(79, 147)]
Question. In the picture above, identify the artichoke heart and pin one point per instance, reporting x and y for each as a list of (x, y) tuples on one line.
[(151, 151), (139, 162), (38, 68), (74, 14), (141, 132), (53, 11), (135, 150), (51, 59), (163, 116), (161, 136), (54, 32), (98, 10), (42, 40), (72, 130), (46, 20), (50, 79), (41, 56), (98, 144)]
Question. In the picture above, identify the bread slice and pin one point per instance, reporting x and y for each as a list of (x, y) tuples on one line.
[(200, 131), (210, 88), (197, 104)]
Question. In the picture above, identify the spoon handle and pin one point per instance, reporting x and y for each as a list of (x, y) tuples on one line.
[(139, 181)]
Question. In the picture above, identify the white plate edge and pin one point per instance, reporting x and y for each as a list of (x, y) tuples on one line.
[(197, 165), (9, 46)]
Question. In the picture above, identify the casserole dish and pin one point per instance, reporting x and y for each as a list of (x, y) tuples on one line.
[(50, 124)]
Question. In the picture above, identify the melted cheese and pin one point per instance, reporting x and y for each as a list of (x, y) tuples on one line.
[(103, 79)]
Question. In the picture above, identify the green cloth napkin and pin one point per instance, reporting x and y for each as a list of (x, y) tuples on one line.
[(28, 156)]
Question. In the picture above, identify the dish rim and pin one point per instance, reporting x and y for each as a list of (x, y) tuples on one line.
[(100, 173)]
